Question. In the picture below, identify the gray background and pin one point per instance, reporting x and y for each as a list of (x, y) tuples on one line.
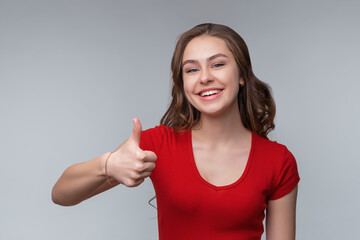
[(74, 73)]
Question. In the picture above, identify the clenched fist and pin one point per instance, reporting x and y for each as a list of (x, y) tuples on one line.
[(128, 164)]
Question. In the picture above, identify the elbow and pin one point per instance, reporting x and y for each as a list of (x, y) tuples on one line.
[(58, 198)]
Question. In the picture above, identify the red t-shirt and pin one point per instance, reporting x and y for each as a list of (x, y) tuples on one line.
[(189, 207)]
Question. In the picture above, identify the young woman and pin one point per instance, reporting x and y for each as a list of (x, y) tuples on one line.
[(213, 168)]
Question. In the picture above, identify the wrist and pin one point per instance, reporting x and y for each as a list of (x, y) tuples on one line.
[(105, 170), (102, 164)]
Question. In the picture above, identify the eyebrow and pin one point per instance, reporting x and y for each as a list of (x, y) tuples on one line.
[(209, 59)]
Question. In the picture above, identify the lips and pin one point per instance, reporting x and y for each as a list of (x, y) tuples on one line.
[(209, 92)]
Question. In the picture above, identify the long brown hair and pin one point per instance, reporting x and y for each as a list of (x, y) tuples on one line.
[(256, 104)]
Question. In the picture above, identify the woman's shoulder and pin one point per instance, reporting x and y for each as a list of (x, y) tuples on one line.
[(270, 147), (163, 130), (159, 130), (277, 160), (157, 137)]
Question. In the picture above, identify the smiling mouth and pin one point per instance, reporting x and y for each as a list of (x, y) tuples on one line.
[(209, 93)]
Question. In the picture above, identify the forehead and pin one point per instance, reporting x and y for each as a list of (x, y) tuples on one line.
[(203, 47)]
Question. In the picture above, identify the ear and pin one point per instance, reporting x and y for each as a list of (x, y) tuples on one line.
[(242, 82)]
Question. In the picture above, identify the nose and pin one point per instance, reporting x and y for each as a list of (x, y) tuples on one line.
[(205, 76)]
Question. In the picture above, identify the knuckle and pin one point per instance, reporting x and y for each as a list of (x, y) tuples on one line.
[(139, 166), (129, 182), (140, 155), (134, 183), (134, 175)]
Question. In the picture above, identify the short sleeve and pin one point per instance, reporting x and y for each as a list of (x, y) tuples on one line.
[(287, 177), (151, 139)]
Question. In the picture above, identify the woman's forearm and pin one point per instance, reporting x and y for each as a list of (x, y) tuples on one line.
[(79, 181), (128, 165)]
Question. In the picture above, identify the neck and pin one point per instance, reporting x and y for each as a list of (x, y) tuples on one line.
[(220, 131)]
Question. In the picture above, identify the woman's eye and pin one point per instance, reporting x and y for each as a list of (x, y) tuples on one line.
[(191, 70), (218, 65)]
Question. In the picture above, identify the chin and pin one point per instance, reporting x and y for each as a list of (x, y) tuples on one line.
[(211, 112), (216, 111)]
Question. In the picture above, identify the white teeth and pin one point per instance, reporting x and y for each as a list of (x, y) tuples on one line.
[(208, 93)]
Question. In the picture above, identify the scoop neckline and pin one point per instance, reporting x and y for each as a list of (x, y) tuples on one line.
[(222, 187)]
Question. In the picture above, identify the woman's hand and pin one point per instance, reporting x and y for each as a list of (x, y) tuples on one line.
[(128, 164)]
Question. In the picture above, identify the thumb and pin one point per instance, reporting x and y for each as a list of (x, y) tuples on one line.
[(136, 132)]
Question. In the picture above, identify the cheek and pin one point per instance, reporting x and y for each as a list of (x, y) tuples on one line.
[(188, 97), (236, 87), (188, 90), (188, 87)]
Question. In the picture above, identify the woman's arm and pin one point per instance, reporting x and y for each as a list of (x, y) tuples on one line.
[(81, 181), (128, 165), (281, 217)]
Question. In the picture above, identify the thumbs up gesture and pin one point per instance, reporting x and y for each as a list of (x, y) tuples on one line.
[(129, 164)]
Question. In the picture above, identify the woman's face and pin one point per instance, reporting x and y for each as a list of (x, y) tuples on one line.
[(211, 77)]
